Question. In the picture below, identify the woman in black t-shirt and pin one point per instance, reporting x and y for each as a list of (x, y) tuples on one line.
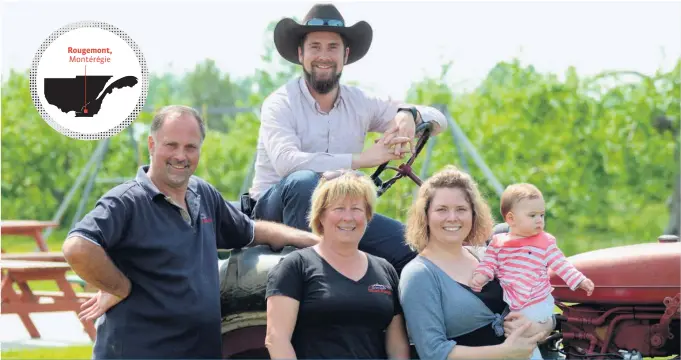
[(333, 300)]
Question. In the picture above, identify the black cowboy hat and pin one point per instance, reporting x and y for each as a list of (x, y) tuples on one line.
[(322, 17)]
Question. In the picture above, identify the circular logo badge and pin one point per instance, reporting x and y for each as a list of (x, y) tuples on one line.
[(89, 80)]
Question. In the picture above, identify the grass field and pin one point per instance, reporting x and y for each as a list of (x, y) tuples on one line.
[(71, 352), (27, 244)]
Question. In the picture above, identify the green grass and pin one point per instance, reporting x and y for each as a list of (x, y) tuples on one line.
[(645, 227), (576, 242), (71, 352), (12, 243), (25, 244)]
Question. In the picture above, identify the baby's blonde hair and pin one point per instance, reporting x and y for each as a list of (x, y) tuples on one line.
[(349, 184), (516, 192), (450, 177)]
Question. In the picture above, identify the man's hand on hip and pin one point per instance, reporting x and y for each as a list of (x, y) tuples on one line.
[(98, 305), (404, 125)]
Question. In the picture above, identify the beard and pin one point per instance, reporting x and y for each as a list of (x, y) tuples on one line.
[(322, 86), (177, 178)]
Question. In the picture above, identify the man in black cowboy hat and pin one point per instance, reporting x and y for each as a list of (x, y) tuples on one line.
[(313, 124)]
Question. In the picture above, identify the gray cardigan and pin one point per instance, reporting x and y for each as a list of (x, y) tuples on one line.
[(437, 308)]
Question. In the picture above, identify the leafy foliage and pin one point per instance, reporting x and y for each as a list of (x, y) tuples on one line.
[(590, 144), (594, 152)]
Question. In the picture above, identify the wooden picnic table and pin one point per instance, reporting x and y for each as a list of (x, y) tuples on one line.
[(57, 256), (26, 301), (32, 228)]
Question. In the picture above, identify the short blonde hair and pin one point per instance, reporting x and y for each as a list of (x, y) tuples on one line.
[(418, 233), (345, 184), (516, 192)]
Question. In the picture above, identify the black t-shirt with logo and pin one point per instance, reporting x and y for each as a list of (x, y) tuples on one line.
[(338, 317)]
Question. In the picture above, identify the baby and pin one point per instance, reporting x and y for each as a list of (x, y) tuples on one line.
[(520, 259)]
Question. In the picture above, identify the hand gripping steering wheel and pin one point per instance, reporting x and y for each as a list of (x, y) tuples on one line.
[(423, 132)]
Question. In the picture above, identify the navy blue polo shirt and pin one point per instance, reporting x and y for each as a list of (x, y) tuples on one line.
[(170, 257)]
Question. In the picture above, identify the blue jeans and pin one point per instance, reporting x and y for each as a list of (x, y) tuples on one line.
[(289, 201)]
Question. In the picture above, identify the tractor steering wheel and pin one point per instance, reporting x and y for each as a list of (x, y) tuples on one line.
[(423, 132)]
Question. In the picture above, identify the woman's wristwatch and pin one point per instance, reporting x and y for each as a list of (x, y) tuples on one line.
[(553, 321)]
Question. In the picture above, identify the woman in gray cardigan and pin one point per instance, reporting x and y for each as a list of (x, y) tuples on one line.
[(445, 319)]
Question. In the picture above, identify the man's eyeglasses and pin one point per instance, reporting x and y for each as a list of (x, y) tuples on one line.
[(330, 175), (324, 22)]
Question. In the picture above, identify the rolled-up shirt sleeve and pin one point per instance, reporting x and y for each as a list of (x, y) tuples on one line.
[(384, 109), (421, 301), (283, 146)]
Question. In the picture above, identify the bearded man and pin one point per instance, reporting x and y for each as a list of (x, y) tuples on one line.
[(314, 124)]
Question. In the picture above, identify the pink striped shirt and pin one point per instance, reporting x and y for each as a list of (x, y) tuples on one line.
[(521, 265)]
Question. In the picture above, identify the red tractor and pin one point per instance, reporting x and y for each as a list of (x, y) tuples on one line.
[(634, 310)]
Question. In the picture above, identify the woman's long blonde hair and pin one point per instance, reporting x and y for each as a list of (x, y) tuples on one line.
[(418, 233)]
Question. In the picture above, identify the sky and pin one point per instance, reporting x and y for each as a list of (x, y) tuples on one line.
[(552, 35)]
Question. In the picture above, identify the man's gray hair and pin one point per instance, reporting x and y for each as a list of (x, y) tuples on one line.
[(176, 110)]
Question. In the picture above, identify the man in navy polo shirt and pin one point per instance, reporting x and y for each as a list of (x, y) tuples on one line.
[(150, 246)]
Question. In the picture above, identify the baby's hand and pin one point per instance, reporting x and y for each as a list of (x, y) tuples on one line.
[(477, 282), (587, 285)]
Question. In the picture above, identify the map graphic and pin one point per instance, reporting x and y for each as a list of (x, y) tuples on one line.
[(83, 94), (89, 80)]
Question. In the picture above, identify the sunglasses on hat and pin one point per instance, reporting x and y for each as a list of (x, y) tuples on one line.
[(324, 22)]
